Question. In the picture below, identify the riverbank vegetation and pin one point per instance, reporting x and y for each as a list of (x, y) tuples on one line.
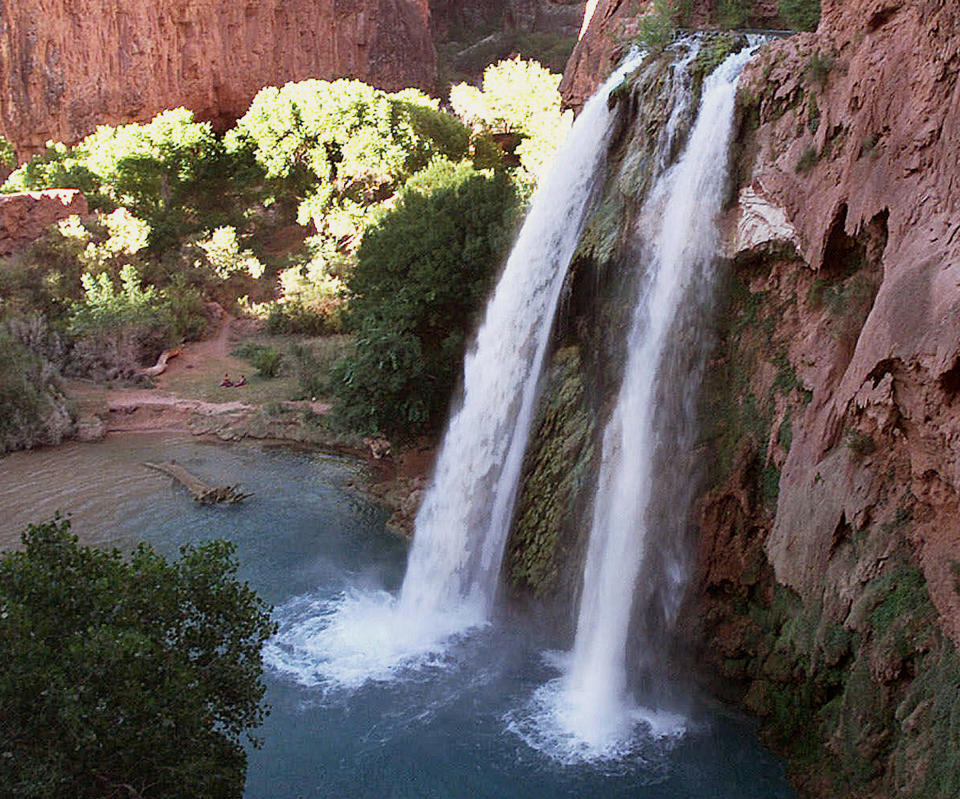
[(331, 208), (126, 677)]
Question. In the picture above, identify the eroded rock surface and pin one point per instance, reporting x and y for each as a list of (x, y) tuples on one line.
[(69, 65), (25, 217)]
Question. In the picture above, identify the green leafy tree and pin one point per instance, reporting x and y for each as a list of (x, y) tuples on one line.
[(132, 678), (520, 97), (171, 172), (423, 272), (801, 15), (341, 147)]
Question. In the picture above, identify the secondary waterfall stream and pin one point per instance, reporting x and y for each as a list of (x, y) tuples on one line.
[(631, 562)]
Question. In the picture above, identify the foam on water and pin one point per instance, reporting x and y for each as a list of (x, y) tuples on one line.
[(358, 636)]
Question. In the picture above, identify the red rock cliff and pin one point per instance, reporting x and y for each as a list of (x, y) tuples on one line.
[(69, 65)]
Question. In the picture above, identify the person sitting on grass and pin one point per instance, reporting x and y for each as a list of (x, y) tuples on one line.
[(241, 382), (226, 382)]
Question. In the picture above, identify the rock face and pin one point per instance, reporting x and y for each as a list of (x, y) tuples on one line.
[(827, 597), (830, 550), (524, 15), (24, 217), (69, 65), (609, 26)]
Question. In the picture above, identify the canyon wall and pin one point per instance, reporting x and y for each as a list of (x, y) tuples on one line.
[(69, 65), (827, 596), (526, 15)]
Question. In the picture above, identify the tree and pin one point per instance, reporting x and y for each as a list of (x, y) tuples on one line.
[(126, 678), (423, 272), (520, 97), (171, 172), (342, 147)]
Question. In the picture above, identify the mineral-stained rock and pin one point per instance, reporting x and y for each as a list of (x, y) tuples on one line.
[(24, 217), (68, 65)]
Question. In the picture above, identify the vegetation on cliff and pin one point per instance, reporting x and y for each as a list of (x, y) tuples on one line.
[(136, 677)]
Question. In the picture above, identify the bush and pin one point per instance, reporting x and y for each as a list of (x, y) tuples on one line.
[(423, 272), (802, 15), (117, 328), (33, 409), (265, 359), (135, 677), (313, 363)]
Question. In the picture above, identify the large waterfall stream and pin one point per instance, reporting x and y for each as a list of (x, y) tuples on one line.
[(589, 711), (389, 685)]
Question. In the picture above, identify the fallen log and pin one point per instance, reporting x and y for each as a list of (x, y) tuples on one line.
[(202, 493)]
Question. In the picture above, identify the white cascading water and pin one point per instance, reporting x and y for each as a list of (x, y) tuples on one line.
[(588, 713), (461, 530), (462, 527)]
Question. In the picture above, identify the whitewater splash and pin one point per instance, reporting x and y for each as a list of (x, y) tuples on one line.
[(461, 529), (589, 713)]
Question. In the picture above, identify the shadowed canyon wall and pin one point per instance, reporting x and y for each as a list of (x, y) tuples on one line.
[(68, 65)]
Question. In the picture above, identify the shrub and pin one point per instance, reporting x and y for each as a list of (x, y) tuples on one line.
[(117, 328), (733, 13), (136, 677), (33, 409), (803, 15), (311, 302), (266, 360), (807, 160), (313, 363), (423, 272)]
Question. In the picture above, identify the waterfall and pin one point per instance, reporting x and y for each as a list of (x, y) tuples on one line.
[(462, 526), (590, 710), (454, 564)]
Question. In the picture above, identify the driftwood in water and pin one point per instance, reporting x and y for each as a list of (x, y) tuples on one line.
[(202, 493)]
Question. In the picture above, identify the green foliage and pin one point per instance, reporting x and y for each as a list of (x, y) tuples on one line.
[(802, 15), (808, 160), (135, 677), (33, 410), (659, 27), (222, 251), (340, 148), (105, 305), (313, 363), (733, 13), (8, 155), (557, 469), (520, 97), (311, 302), (423, 271), (859, 443), (819, 65), (168, 172), (266, 360)]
